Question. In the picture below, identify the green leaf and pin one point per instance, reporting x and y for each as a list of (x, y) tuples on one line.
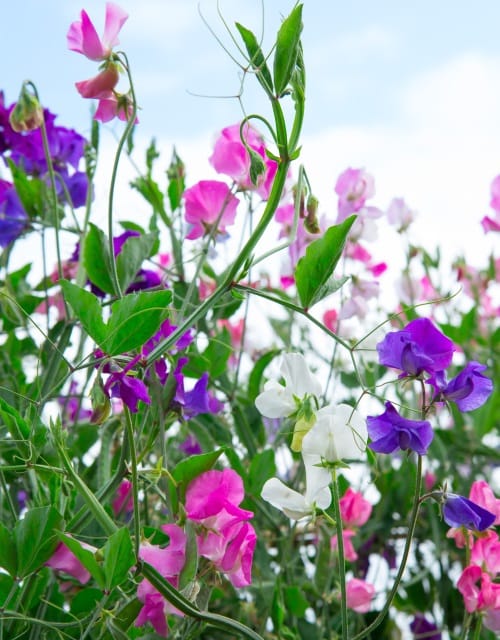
[(191, 468), (85, 556), (133, 253), (29, 190), (8, 553), (287, 45), (85, 601), (97, 259), (175, 174), (314, 270), (36, 539), (295, 601), (118, 558), (134, 319), (87, 309), (18, 427), (257, 59), (190, 567), (262, 468)]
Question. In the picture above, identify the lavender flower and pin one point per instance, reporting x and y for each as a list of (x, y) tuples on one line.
[(416, 348), (462, 512), (390, 431)]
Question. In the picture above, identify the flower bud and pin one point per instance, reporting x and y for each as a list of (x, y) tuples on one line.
[(101, 405), (27, 114)]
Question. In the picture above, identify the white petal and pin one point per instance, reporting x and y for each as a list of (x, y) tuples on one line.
[(317, 482), (298, 376), (292, 503), (275, 401)]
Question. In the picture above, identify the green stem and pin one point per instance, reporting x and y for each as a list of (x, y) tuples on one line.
[(186, 606), (406, 552), (341, 555), (135, 480)]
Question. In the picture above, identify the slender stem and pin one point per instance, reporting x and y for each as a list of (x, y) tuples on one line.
[(406, 552), (135, 481), (341, 555)]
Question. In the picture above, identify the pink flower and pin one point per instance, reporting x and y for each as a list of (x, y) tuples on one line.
[(486, 553), (168, 561), (354, 509), (214, 492), (124, 500), (489, 224), (467, 585), (100, 85), (237, 560), (209, 203), (482, 494), (354, 187), (495, 194), (112, 105), (349, 552), (330, 318), (82, 36), (231, 158), (65, 560), (359, 595)]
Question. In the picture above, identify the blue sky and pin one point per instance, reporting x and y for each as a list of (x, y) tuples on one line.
[(410, 91)]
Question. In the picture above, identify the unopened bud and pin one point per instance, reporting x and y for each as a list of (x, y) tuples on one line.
[(27, 114), (101, 405), (311, 221)]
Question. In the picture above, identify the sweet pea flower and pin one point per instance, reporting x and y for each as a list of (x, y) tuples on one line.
[(482, 595), (339, 433), (354, 509), (113, 105), (13, 217), (168, 561), (399, 214), (65, 560), (468, 390), (359, 595), (294, 504), (209, 203), (390, 432), (419, 347), (485, 552), (279, 401), (82, 36), (461, 512), (423, 629), (482, 494), (349, 552), (100, 85), (353, 187)]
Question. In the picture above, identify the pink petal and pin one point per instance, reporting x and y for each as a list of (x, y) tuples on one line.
[(115, 19)]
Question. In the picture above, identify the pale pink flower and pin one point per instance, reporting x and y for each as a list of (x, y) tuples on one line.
[(495, 194), (354, 509), (353, 187), (399, 214), (231, 158), (359, 595), (486, 553), (482, 494), (82, 36), (209, 203)]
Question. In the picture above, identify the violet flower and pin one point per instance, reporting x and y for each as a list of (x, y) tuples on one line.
[(13, 218), (390, 432), (468, 390), (419, 347), (462, 512), (422, 628)]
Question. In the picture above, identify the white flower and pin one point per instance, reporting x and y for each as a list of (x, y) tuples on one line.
[(294, 504), (339, 433), (278, 401)]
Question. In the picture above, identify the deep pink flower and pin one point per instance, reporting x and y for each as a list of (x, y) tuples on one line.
[(489, 224), (65, 560), (231, 158), (124, 500), (168, 561), (482, 494), (214, 491), (354, 509), (238, 556), (82, 36), (486, 553), (209, 203), (100, 85), (359, 595)]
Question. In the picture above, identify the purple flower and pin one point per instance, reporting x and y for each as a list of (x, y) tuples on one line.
[(468, 390), (13, 218), (129, 389), (462, 512), (416, 348), (422, 628), (190, 446), (390, 432)]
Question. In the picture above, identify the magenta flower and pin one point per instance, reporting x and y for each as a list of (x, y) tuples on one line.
[(390, 432), (209, 204), (124, 500), (419, 347), (65, 560), (468, 390), (214, 491), (462, 512), (231, 158), (168, 561), (354, 509), (82, 36)]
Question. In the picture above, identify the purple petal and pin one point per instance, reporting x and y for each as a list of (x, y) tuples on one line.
[(461, 512)]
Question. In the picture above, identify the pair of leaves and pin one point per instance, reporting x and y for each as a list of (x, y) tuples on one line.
[(286, 51), (134, 318), (97, 258)]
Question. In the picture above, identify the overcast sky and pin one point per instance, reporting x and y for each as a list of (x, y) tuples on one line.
[(408, 90)]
